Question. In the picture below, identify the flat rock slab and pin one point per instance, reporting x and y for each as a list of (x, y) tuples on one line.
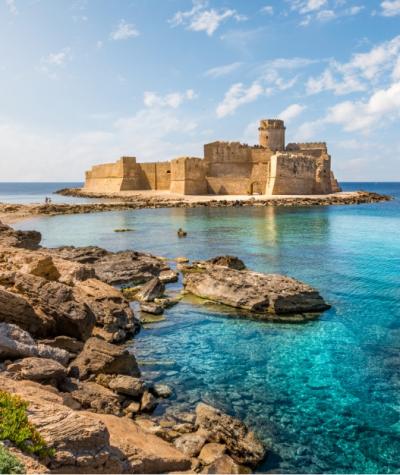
[(264, 294), (146, 453)]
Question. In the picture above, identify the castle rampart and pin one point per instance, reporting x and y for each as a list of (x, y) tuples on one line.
[(228, 168)]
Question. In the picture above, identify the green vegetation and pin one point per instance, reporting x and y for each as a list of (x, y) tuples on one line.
[(15, 426), (9, 462)]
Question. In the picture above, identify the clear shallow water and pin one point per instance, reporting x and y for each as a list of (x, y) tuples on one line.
[(36, 192), (327, 393)]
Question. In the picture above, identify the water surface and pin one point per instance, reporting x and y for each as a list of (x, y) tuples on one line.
[(325, 394)]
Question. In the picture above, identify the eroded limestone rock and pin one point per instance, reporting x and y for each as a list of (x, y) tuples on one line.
[(99, 356), (151, 290), (114, 267), (38, 369), (242, 445), (18, 343), (264, 294)]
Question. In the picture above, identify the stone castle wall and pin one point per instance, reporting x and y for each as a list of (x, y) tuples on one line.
[(230, 168)]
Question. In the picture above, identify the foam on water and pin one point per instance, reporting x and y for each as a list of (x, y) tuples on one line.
[(325, 394)]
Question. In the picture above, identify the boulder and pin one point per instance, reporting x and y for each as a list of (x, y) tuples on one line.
[(152, 308), (38, 369), (111, 310), (263, 294), (211, 452), (145, 452), (151, 290), (16, 309), (228, 261), (67, 343), (190, 444), (58, 304), (132, 409), (225, 464), (115, 267), (99, 356), (17, 343), (242, 445), (81, 443), (21, 239), (168, 276), (162, 390), (57, 354), (127, 385), (97, 398), (148, 402)]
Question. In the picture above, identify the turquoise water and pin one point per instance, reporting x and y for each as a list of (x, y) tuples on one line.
[(326, 394)]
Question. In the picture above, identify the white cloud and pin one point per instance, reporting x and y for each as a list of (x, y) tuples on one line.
[(326, 15), (308, 6), (124, 31), (354, 76), (40, 155), (53, 62), (267, 10), (291, 112), (199, 18), (390, 7), (384, 104), (12, 7), (288, 63), (238, 95), (322, 11), (222, 70), (173, 100)]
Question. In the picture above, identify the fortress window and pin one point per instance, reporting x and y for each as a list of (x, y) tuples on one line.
[(168, 171)]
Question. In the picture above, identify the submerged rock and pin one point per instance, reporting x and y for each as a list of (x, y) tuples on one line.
[(253, 291)]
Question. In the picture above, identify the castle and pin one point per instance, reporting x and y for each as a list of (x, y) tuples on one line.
[(228, 168)]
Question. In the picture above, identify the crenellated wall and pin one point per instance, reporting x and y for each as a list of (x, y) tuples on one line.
[(188, 176), (230, 168)]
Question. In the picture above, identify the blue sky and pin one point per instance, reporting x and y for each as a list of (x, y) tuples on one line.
[(86, 81)]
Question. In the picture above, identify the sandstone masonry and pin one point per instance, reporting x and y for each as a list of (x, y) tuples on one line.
[(228, 168)]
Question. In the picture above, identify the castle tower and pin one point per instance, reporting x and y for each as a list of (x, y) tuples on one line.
[(272, 134)]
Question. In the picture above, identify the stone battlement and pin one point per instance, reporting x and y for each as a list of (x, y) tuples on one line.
[(271, 124), (228, 168)]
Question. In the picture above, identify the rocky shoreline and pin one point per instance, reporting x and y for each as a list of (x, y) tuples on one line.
[(66, 348), (14, 212)]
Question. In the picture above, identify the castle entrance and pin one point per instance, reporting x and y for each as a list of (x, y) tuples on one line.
[(256, 188)]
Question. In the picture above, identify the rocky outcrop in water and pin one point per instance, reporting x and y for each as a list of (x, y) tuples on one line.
[(62, 349), (263, 294)]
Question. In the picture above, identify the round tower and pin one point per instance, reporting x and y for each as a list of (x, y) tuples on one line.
[(272, 134)]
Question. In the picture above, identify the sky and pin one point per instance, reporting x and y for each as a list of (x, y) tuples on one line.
[(84, 82)]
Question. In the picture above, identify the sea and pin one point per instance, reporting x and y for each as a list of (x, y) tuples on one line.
[(324, 395)]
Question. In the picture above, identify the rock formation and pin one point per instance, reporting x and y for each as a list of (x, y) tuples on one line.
[(263, 294), (63, 349)]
